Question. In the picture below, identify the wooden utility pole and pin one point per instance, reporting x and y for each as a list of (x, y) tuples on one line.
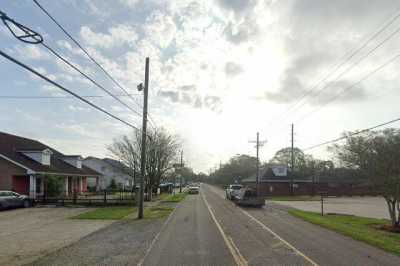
[(180, 185), (144, 138), (258, 165), (258, 144), (292, 163)]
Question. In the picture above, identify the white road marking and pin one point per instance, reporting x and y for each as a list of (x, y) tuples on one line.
[(239, 259), (274, 234), (157, 236)]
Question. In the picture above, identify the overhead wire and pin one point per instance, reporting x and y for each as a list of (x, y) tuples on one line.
[(318, 92), (34, 97), (345, 90), (336, 67), (89, 78), (352, 134), (33, 71), (86, 52)]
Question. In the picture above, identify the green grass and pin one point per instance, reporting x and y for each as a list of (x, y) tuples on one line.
[(174, 197), (295, 198), (106, 213), (157, 212), (359, 228)]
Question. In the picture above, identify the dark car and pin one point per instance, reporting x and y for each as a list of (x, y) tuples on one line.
[(10, 199), (248, 197)]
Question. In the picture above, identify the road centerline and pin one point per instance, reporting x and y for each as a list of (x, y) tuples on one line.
[(237, 256), (263, 226)]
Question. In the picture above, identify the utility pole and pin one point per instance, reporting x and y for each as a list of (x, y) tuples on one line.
[(292, 164), (258, 144), (144, 137), (180, 185)]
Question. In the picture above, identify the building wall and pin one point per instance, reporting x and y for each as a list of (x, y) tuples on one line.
[(7, 171), (107, 171), (308, 188)]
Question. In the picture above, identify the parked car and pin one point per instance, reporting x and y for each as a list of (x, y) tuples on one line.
[(232, 191), (194, 189), (248, 197), (10, 199)]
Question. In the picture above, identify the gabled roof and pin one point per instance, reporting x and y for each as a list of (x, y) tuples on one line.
[(112, 164), (11, 147)]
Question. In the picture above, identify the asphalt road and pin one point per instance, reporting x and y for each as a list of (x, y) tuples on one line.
[(207, 229), (190, 238), (310, 244)]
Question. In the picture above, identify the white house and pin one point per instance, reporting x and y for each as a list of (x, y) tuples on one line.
[(110, 169)]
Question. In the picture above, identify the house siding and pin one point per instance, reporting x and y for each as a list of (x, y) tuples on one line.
[(7, 171)]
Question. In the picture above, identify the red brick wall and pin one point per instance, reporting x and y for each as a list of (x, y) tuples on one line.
[(7, 171), (333, 189)]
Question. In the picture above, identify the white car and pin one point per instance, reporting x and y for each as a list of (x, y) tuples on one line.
[(194, 190), (232, 191)]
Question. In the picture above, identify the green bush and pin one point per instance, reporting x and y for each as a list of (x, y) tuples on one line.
[(54, 186)]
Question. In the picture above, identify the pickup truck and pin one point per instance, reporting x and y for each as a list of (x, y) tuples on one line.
[(232, 191), (248, 197)]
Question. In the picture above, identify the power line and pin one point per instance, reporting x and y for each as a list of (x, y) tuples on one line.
[(349, 87), (36, 38), (336, 67), (80, 46), (352, 134), (32, 97), (352, 66), (33, 71), (86, 52), (89, 78)]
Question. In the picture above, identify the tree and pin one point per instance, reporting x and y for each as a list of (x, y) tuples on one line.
[(303, 163), (238, 167), (113, 184), (162, 149), (376, 154)]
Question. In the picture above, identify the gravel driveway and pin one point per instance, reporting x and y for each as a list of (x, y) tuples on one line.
[(373, 207), (27, 234)]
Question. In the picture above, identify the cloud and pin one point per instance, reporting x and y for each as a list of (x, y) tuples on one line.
[(233, 69), (116, 36), (173, 96), (160, 28), (212, 102), (32, 52)]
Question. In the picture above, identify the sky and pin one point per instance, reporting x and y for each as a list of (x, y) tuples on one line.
[(220, 71)]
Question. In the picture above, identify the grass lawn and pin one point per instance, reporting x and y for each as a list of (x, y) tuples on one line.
[(106, 213), (359, 228), (295, 198), (157, 212), (174, 198)]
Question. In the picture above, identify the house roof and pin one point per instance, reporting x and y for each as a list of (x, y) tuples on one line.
[(11, 147), (268, 175)]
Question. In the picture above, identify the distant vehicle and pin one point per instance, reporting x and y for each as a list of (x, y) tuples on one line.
[(248, 197), (232, 191), (10, 199), (194, 189)]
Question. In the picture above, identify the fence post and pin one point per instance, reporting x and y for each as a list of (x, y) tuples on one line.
[(105, 197), (322, 204)]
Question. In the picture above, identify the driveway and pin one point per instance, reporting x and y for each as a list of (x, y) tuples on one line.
[(373, 207), (27, 234)]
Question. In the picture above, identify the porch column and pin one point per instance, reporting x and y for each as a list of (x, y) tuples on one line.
[(32, 186), (66, 186), (80, 184), (97, 183)]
